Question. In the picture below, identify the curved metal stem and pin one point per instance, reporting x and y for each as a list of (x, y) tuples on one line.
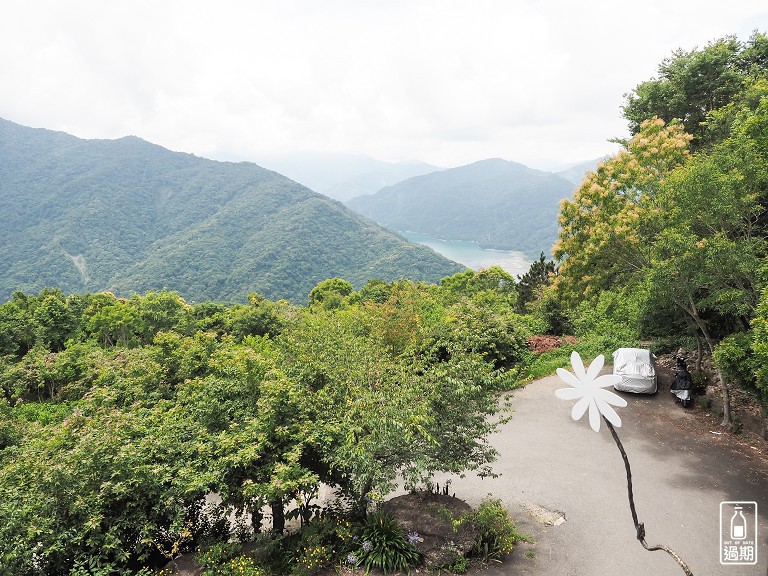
[(639, 526)]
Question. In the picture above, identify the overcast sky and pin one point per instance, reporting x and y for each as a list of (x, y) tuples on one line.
[(447, 82)]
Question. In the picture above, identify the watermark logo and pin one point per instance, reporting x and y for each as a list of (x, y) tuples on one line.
[(738, 533)]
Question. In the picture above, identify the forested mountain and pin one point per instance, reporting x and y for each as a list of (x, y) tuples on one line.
[(342, 176), (126, 215), (496, 203)]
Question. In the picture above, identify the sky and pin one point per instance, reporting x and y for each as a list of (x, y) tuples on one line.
[(447, 82)]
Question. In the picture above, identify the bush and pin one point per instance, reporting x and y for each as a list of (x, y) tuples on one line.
[(614, 314), (497, 534), (238, 566), (227, 559), (460, 563), (319, 544), (217, 554), (733, 356), (545, 364), (384, 545)]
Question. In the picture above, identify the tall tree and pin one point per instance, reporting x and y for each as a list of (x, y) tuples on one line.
[(694, 225), (604, 230), (691, 84)]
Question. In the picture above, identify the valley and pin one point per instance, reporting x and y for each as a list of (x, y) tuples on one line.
[(473, 256)]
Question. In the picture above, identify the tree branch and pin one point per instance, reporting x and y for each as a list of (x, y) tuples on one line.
[(639, 526)]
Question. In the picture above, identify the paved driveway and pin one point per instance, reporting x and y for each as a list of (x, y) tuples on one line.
[(682, 468)]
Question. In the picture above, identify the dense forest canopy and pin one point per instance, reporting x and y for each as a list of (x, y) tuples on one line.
[(129, 216), (119, 416)]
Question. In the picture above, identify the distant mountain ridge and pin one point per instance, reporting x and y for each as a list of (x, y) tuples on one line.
[(342, 176), (575, 174), (130, 216), (496, 203)]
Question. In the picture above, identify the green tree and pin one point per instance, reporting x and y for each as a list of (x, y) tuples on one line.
[(101, 486), (691, 225), (704, 259), (469, 283), (380, 416), (606, 230), (162, 311), (260, 317), (540, 274), (695, 83), (117, 323), (330, 293), (55, 322), (759, 348)]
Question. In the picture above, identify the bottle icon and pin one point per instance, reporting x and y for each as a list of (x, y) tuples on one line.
[(738, 525)]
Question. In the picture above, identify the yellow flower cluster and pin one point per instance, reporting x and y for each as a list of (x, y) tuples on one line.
[(240, 566), (312, 558), (344, 530)]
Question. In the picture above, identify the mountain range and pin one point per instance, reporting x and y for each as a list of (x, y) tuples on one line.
[(129, 216), (342, 176), (495, 203)]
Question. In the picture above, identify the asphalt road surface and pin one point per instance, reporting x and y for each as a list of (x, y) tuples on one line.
[(565, 486)]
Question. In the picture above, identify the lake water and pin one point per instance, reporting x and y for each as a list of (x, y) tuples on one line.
[(473, 256)]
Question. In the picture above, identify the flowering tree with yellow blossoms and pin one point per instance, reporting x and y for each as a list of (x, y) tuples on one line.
[(605, 230), (691, 227)]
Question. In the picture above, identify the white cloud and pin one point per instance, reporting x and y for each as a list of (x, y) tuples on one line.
[(448, 82)]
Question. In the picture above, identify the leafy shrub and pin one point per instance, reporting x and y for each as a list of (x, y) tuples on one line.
[(760, 348), (500, 338), (497, 534), (217, 554), (589, 347), (42, 412), (614, 315), (226, 559), (238, 566), (460, 563), (384, 545), (320, 543), (734, 357), (311, 558)]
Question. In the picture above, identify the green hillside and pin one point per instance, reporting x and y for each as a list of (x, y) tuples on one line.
[(129, 216), (496, 203)]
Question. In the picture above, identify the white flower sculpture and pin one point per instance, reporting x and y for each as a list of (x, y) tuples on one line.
[(588, 387)]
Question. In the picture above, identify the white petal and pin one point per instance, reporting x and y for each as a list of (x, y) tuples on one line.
[(578, 365), (594, 416), (569, 378), (595, 367), (606, 380), (609, 397), (569, 393), (580, 407), (609, 413)]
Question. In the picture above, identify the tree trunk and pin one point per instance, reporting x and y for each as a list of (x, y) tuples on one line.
[(362, 503), (727, 420), (699, 351), (695, 331), (278, 517)]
